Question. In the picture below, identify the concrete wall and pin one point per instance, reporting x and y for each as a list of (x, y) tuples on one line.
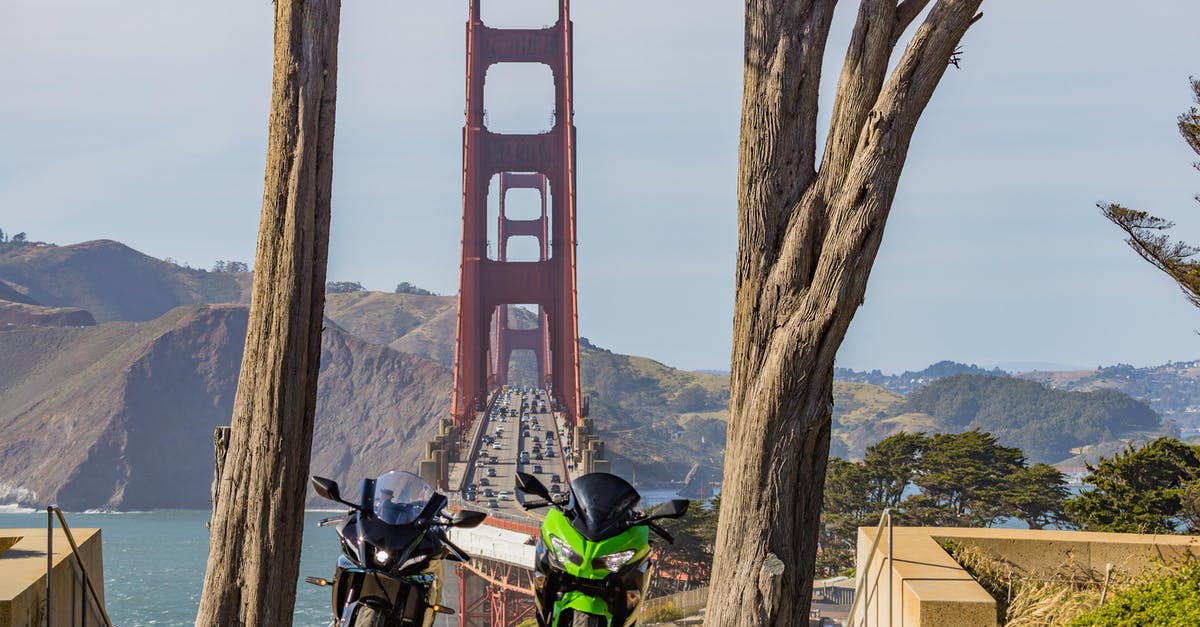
[(929, 589), (23, 578)]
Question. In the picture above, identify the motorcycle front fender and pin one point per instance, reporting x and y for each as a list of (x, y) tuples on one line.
[(581, 602)]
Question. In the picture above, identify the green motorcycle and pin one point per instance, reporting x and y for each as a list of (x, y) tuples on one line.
[(592, 564)]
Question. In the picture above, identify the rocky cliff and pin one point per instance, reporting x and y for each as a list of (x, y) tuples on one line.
[(121, 415)]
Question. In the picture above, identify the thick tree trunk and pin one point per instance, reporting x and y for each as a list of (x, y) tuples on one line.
[(254, 549), (806, 241)]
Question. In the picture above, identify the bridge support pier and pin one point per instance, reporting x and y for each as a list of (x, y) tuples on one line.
[(502, 594)]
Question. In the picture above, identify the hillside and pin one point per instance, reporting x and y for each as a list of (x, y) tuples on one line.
[(22, 314), (121, 415), (112, 281), (910, 380), (1172, 390), (656, 420), (1044, 422), (422, 325), (93, 398)]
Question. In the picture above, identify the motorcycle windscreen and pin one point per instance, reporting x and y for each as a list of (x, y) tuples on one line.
[(400, 496), (601, 504)]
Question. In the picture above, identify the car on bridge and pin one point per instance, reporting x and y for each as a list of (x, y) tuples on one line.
[(524, 457), (555, 479), (537, 469), (491, 472), (497, 446), (493, 504), (489, 493), (506, 495), (484, 481)]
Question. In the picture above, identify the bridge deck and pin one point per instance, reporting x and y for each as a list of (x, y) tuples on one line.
[(495, 482)]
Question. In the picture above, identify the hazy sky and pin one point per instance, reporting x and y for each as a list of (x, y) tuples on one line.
[(144, 121)]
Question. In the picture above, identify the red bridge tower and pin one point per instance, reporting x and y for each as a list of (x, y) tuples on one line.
[(544, 161)]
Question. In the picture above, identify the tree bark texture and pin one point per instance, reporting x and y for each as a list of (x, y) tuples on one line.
[(220, 450), (807, 239), (254, 549)]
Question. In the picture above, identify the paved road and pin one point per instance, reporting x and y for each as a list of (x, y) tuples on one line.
[(512, 443)]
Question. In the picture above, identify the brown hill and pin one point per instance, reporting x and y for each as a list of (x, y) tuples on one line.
[(12, 294), (422, 325), (113, 281), (22, 314), (121, 415)]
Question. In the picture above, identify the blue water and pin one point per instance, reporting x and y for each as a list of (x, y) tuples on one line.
[(154, 562)]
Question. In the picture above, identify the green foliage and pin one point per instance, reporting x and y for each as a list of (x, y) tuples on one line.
[(963, 479), (1040, 496), (408, 288), (663, 614), (230, 266), (1145, 233), (344, 287), (1139, 491), (1044, 423), (695, 537), (1173, 599), (10, 241)]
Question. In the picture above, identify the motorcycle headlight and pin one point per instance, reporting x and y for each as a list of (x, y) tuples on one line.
[(614, 561), (564, 552)]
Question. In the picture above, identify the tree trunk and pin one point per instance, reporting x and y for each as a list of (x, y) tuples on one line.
[(254, 549), (806, 241)]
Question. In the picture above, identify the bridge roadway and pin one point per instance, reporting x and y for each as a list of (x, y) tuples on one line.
[(509, 532)]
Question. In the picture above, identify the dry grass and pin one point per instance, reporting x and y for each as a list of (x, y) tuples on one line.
[(1044, 599)]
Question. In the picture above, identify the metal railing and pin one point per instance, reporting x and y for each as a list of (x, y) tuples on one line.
[(51, 512), (860, 598)]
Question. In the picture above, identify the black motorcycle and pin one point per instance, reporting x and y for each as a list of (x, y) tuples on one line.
[(393, 544)]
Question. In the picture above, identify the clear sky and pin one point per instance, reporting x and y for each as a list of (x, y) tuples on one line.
[(144, 121)]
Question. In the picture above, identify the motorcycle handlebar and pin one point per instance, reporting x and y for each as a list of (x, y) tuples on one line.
[(661, 532), (325, 522), (461, 554)]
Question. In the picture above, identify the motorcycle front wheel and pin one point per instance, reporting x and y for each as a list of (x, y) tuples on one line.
[(582, 619), (370, 617)]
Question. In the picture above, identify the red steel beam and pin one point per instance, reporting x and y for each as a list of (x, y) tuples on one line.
[(549, 283)]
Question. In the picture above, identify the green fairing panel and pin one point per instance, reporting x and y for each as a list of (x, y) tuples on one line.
[(636, 538), (581, 602)]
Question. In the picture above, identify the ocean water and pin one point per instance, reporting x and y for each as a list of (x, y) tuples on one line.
[(154, 562)]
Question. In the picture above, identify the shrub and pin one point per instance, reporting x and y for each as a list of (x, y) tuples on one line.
[(664, 614), (1173, 599)]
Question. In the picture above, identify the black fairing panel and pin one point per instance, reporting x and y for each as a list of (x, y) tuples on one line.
[(600, 505)]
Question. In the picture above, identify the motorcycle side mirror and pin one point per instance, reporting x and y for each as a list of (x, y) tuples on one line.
[(674, 508), (328, 488), (467, 519), (529, 484)]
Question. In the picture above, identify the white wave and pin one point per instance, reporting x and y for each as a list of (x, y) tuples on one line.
[(16, 508)]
